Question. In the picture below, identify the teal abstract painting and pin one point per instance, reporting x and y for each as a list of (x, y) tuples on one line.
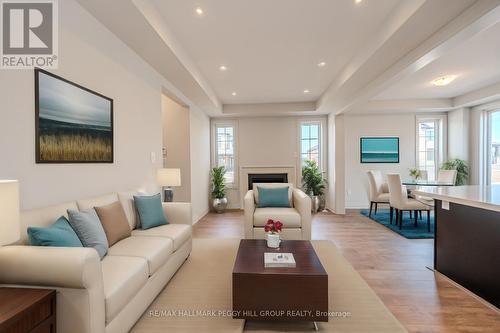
[(379, 150)]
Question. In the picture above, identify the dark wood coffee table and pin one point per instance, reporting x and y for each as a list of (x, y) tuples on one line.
[(284, 294)]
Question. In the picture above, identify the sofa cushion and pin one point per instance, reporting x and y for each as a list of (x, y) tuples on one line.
[(288, 216), (155, 250), (89, 229), (150, 211), (123, 277), (114, 222), (127, 200), (43, 217), (178, 233), (59, 234), (102, 200), (272, 185), (273, 197)]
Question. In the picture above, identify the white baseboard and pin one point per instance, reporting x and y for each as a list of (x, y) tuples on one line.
[(197, 219)]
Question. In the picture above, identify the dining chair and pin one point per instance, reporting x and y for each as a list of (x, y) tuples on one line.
[(447, 176), (399, 201), (379, 192)]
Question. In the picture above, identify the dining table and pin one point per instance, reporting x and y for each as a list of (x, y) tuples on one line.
[(423, 182)]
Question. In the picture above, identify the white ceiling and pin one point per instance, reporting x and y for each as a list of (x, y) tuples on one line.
[(476, 62), (272, 47)]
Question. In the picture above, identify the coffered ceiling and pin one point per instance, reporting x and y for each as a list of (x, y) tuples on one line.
[(249, 57), (272, 49)]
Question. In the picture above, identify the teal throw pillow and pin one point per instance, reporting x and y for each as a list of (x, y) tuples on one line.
[(150, 211), (59, 234), (273, 197), (89, 229)]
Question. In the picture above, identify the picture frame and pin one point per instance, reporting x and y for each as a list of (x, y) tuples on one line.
[(73, 124), (379, 149)]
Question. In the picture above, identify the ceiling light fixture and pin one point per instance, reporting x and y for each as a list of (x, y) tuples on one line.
[(443, 80), (322, 64), (358, 1), (199, 11), (223, 68), (307, 91), (233, 93)]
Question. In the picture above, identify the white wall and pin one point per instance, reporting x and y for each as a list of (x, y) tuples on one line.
[(356, 126), (458, 134), (92, 56), (200, 162), (267, 141), (331, 167), (176, 140)]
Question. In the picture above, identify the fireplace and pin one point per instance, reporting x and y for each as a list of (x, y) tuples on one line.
[(266, 178)]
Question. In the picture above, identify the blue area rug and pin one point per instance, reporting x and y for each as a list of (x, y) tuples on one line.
[(408, 230)]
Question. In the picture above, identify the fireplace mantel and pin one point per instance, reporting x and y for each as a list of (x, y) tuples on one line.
[(290, 170)]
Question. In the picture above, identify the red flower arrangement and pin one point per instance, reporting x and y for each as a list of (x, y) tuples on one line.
[(273, 226)]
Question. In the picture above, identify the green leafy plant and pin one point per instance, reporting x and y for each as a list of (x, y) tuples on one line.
[(460, 166), (415, 173), (218, 182), (312, 179)]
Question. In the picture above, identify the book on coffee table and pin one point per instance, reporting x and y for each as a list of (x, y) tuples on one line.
[(278, 260)]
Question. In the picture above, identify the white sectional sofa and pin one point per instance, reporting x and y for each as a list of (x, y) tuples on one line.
[(95, 296)]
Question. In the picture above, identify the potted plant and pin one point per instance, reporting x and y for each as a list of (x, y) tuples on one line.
[(273, 228), (313, 183), (415, 173), (219, 200), (460, 166)]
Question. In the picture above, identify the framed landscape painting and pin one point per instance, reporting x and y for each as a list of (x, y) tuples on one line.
[(379, 150), (73, 124)]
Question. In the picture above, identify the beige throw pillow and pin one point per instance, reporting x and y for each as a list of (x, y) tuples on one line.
[(114, 222)]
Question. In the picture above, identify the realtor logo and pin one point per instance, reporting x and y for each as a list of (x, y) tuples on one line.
[(29, 34)]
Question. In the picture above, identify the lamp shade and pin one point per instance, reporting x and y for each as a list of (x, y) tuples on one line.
[(169, 177), (9, 212)]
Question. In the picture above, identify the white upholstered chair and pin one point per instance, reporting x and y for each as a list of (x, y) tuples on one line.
[(379, 192), (398, 198), (296, 219), (447, 176)]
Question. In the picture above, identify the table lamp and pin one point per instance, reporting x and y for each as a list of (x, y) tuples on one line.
[(167, 178), (9, 212)]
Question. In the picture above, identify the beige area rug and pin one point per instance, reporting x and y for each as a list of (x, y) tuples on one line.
[(198, 296)]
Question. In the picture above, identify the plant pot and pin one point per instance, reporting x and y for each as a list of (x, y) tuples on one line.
[(273, 240), (322, 203), (314, 203), (219, 205)]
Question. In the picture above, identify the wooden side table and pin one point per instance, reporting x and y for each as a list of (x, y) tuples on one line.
[(27, 310)]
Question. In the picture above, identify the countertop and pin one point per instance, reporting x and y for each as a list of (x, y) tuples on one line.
[(480, 196)]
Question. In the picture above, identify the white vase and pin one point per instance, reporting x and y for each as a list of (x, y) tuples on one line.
[(273, 240)]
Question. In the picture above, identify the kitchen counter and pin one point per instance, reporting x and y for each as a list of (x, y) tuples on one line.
[(485, 197), (467, 236)]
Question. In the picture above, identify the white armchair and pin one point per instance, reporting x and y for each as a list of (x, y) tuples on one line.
[(296, 219)]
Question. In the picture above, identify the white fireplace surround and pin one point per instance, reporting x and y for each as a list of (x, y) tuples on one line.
[(290, 170)]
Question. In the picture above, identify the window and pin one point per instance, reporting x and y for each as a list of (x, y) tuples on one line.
[(224, 150), (494, 147), (430, 145), (310, 142)]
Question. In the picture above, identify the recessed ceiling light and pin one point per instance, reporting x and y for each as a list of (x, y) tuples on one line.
[(321, 64), (307, 91), (233, 93), (199, 11), (443, 80), (222, 68)]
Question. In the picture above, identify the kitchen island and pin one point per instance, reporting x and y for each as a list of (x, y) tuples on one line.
[(467, 236)]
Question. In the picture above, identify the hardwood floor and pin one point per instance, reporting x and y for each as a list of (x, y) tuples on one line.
[(395, 267)]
